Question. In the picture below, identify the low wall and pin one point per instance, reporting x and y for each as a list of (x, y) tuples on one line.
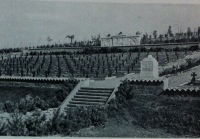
[(193, 92), (163, 81), (148, 46), (37, 79)]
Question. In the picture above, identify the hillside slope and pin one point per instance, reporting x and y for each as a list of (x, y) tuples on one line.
[(121, 126), (141, 111)]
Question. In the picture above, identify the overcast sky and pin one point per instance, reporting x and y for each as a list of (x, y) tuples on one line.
[(29, 23)]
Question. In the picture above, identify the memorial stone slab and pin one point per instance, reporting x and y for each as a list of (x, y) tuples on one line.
[(149, 68)]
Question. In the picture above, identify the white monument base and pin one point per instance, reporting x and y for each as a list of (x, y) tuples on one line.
[(149, 72), (149, 68)]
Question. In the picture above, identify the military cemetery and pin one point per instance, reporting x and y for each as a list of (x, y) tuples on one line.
[(110, 85)]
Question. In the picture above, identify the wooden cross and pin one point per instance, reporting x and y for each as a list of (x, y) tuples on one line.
[(193, 77)]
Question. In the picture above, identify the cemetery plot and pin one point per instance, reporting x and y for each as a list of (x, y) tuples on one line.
[(81, 65), (144, 96)]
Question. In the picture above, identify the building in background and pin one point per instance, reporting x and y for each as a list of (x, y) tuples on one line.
[(120, 40)]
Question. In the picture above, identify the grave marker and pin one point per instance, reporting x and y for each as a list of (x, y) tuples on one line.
[(149, 68), (193, 77)]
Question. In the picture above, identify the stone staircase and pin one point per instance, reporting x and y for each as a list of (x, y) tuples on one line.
[(92, 92), (90, 96)]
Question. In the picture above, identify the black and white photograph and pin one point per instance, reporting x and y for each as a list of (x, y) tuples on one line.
[(104, 68)]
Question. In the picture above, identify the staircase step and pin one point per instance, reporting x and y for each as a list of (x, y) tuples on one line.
[(87, 88), (89, 100), (87, 103), (95, 91), (92, 97), (93, 94), (76, 105), (71, 105)]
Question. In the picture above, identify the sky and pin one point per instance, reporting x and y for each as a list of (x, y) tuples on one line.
[(29, 23)]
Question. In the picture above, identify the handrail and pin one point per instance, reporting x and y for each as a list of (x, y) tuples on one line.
[(71, 95), (113, 93)]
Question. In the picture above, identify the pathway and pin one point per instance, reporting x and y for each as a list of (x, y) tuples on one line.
[(181, 78)]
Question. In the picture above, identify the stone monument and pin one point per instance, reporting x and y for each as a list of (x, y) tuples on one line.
[(149, 68)]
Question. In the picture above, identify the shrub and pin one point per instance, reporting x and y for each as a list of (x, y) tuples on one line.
[(16, 126), (194, 48), (36, 124), (27, 104), (9, 106), (75, 119), (125, 91), (3, 129)]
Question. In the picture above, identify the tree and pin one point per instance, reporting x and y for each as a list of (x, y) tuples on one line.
[(189, 32), (49, 39), (155, 34), (143, 40), (71, 37), (160, 37), (96, 40), (120, 33), (138, 33), (198, 31), (170, 31), (150, 39)]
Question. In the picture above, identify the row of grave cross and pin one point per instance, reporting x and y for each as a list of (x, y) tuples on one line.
[(34, 66)]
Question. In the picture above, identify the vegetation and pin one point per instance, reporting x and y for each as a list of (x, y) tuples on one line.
[(39, 124), (145, 104), (190, 62), (30, 99), (178, 115), (169, 37)]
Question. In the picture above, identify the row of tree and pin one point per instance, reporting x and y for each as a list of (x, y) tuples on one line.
[(169, 37)]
